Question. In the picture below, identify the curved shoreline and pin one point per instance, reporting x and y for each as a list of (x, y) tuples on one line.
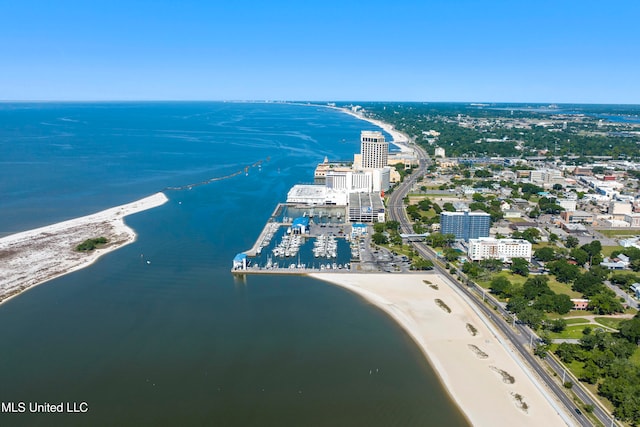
[(474, 367), (33, 257)]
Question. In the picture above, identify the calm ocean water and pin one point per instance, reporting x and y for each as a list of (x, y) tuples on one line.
[(179, 341)]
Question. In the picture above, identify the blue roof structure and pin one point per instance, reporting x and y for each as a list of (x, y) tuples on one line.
[(300, 222), (239, 257)]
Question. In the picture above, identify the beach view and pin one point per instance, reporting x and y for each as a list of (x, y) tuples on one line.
[(231, 215)]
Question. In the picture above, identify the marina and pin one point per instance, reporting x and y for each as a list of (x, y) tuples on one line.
[(300, 240)]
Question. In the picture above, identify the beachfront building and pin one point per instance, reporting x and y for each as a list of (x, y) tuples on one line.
[(359, 181), (373, 149), (316, 195), (465, 225), (502, 249), (326, 166)]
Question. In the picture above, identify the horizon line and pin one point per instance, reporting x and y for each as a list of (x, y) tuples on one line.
[(290, 101)]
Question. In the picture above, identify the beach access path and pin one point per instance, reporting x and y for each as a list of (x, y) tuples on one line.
[(35, 256), (480, 371)]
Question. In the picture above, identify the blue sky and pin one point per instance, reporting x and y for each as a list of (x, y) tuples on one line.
[(455, 50)]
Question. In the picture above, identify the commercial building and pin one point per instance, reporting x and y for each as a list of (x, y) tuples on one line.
[(567, 204), (620, 208), (366, 207), (502, 249), (633, 219), (465, 225), (316, 195), (577, 217), (374, 150)]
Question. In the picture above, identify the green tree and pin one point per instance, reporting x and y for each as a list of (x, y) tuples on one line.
[(379, 239), (571, 242), (531, 234), (448, 206), (536, 286), (545, 254), (562, 303), (491, 264), (451, 254), (568, 352), (531, 317), (605, 302), (563, 271), (520, 266), (471, 269), (579, 255), (630, 329), (588, 284), (392, 225), (478, 197), (517, 303), (557, 325), (500, 286)]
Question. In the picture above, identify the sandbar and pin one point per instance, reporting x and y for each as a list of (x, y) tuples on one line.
[(32, 257), (487, 379)]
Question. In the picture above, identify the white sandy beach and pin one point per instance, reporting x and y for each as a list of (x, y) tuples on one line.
[(35, 256), (477, 370), (399, 139)]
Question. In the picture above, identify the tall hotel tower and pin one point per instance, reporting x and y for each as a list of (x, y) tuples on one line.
[(374, 150)]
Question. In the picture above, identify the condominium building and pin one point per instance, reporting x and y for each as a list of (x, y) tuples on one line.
[(502, 249), (465, 225), (374, 150)]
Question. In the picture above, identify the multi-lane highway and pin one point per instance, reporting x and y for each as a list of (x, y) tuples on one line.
[(521, 337)]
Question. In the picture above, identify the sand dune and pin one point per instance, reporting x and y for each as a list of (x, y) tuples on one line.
[(33, 257)]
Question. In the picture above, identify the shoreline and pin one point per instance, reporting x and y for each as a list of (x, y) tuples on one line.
[(30, 258), (474, 366), (399, 139)]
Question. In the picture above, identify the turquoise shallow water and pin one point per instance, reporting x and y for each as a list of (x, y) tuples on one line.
[(180, 341)]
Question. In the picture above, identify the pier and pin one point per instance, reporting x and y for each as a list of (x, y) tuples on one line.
[(267, 256)]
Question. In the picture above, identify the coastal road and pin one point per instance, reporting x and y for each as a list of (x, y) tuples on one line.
[(521, 337)]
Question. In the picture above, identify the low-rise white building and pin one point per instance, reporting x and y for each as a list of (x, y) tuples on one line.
[(633, 219), (502, 249), (316, 195), (567, 204)]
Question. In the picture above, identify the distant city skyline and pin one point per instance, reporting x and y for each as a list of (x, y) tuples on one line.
[(462, 51)]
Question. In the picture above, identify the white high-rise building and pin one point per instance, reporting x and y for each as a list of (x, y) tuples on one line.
[(374, 150), (502, 249)]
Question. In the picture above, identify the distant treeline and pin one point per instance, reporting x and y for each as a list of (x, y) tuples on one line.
[(577, 138)]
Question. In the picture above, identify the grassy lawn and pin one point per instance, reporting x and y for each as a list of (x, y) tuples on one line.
[(622, 233), (562, 288), (539, 245), (608, 321), (606, 250), (572, 332), (576, 320), (575, 367), (517, 280)]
